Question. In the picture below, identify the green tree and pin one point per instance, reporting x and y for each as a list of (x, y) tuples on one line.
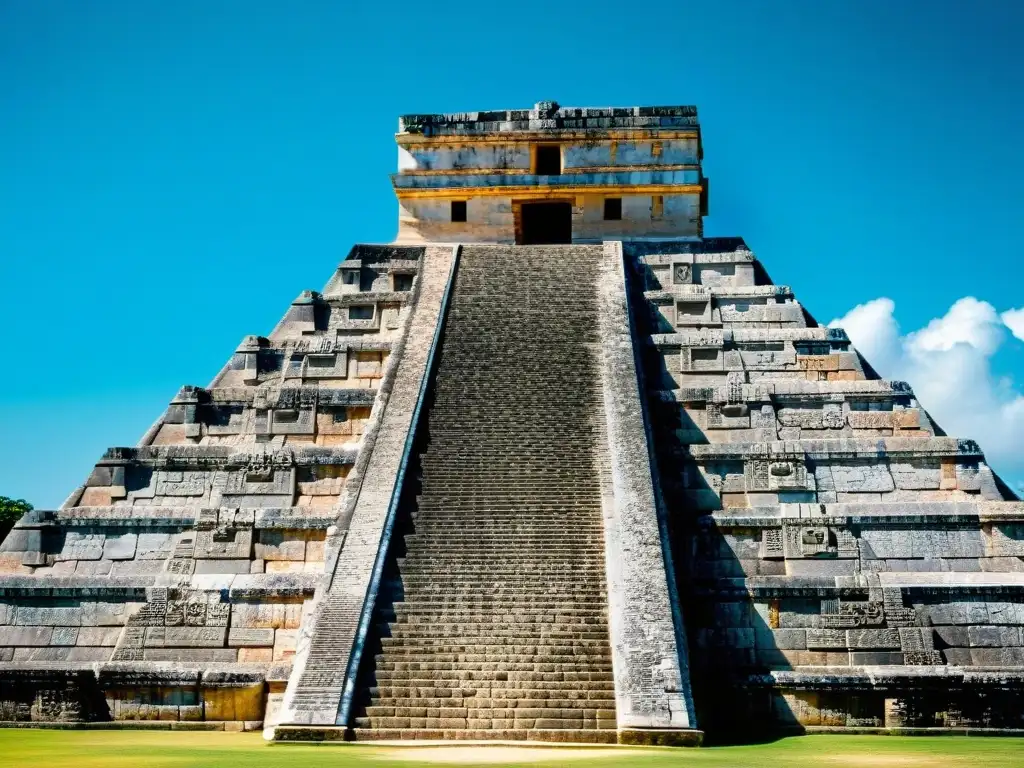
[(11, 511)]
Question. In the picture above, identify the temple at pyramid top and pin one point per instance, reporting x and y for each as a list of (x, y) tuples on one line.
[(550, 174)]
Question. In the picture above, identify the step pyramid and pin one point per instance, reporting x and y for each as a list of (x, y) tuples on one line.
[(475, 489)]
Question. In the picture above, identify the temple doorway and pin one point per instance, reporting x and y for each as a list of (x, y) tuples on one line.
[(545, 223)]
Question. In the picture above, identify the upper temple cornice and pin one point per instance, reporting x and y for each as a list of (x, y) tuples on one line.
[(548, 116)]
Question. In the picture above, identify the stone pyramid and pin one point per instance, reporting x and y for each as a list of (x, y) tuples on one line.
[(552, 466)]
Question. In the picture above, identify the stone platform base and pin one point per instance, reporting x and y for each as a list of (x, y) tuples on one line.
[(517, 734), (138, 725), (635, 737), (333, 733), (910, 731), (307, 733), (657, 737)]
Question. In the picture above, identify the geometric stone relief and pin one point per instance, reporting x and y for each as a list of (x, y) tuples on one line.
[(854, 614)]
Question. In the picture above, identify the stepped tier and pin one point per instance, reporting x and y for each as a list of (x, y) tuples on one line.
[(173, 584), (496, 614), (847, 564), (469, 489), (427, 506), (449, 527)]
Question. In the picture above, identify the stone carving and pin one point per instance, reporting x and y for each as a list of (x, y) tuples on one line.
[(826, 638), (734, 387), (713, 413), (814, 541), (850, 615), (757, 475), (896, 615), (832, 416), (923, 658), (772, 543)]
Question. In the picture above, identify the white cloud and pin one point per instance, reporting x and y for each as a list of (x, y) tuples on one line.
[(968, 321), (948, 364), (874, 331), (1014, 319)]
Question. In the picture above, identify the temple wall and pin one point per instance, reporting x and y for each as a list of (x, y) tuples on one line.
[(516, 156), (492, 218)]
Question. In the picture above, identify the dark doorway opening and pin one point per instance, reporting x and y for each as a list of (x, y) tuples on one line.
[(549, 160), (546, 223)]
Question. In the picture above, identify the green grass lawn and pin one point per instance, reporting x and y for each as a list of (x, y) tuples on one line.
[(157, 749)]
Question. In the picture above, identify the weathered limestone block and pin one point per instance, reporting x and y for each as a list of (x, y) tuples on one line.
[(284, 643), (998, 657), (155, 546), (223, 543), (281, 545), (919, 474), (120, 546), (315, 547), (1005, 539), (994, 636), (28, 615), (796, 707), (782, 639), (873, 638), (251, 637), (91, 567), (107, 614), (222, 566), (233, 703), (26, 636), (255, 655), (826, 638), (98, 636), (64, 636), (192, 655), (284, 566), (82, 546), (862, 478), (189, 637), (1003, 612)]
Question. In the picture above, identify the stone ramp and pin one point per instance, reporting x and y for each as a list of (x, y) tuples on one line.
[(498, 627), (320, 682)]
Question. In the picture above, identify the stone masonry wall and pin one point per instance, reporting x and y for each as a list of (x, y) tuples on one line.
[(843, 562), (174, 583)]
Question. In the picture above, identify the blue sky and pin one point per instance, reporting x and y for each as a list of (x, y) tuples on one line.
[(173, 174)]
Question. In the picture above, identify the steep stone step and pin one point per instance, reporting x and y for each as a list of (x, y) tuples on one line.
[(497, 730), (458, 717), (524, 654), (510, 616), (439, 677), (498, 620), (495, 707), (496, 631)]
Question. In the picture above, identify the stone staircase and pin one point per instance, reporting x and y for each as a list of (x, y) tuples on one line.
[(493, 621)]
